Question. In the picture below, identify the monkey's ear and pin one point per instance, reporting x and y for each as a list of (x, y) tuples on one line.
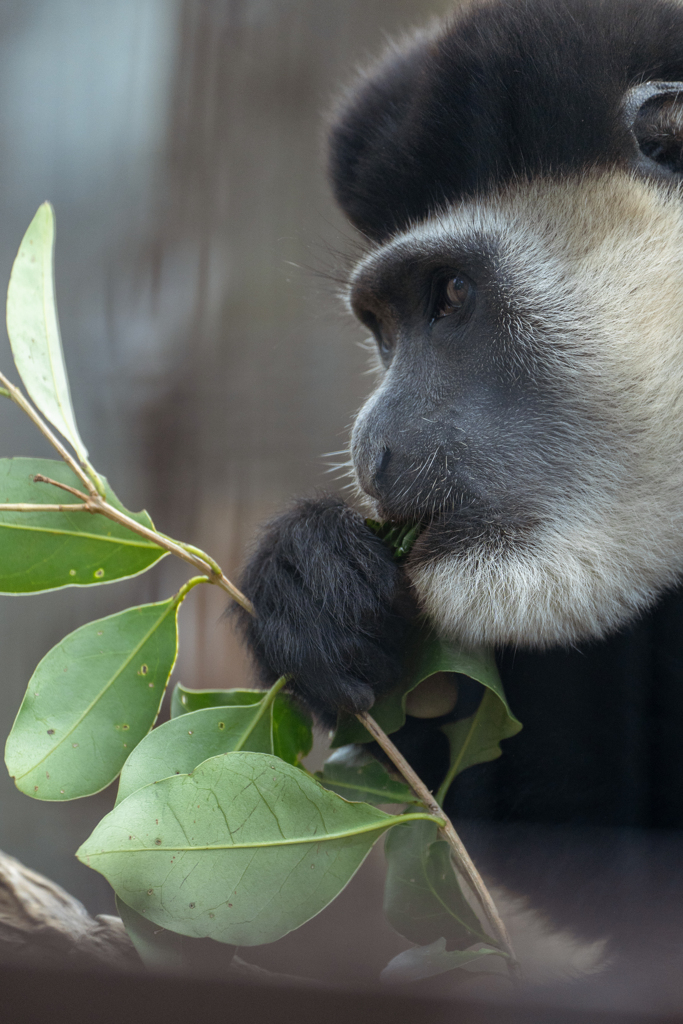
[(653, 113)]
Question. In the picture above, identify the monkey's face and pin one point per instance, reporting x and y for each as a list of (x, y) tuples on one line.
[(530, 408)]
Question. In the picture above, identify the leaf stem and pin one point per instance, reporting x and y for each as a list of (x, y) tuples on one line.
[(455, 767), (187, 587), (197, 551), (461, 857), (38, 478), (264, 705)]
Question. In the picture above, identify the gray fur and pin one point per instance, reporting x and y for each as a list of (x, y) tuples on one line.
[(568, 501)]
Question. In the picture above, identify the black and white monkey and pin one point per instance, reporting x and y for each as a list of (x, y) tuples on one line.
[(517, 172)]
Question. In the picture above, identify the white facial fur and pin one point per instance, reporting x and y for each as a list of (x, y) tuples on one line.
[(592, 270)]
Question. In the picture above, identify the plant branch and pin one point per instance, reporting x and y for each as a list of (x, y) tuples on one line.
[(461, 857), (219, 578), (94, 502), (25, 507), (40, 479), (97, 504), (197, 551), (23, 403)]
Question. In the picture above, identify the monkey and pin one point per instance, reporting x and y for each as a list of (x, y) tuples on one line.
[(514, 172)]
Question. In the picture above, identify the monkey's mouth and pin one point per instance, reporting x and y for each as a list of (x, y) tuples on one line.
[(425, 509), (399, 537)]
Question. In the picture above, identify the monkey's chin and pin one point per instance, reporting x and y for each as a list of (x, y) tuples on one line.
[(549, 591)]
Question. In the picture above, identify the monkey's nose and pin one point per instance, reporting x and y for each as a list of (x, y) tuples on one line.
[(372, 472), (379, 480), (382, 462)]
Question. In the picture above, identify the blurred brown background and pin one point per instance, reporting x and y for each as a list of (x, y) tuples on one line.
[(212, 364)]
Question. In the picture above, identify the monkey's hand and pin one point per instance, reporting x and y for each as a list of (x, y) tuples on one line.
[(324, 588)]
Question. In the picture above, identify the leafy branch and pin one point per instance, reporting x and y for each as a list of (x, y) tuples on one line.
[(91, 705), (94, 502)]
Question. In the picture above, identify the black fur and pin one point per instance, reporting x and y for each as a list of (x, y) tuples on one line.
[(503, 90), (508, 88), (326, 592)]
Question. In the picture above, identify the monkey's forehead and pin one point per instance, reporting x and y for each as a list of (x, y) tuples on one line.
[(502, 89), (565, 217)]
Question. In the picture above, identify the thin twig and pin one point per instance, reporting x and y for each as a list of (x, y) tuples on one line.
[(44, 508), (462, 859), (221, 580), (38, 478), (94, 503), (23, 403)]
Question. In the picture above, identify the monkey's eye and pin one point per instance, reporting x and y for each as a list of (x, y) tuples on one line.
[(383, 336), (453, 295), (385, 343)]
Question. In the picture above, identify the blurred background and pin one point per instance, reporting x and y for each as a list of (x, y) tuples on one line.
[(211, 361)]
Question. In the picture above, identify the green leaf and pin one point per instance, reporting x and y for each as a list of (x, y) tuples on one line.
[(184, 700), (91, 700), (425, 655), (399, 537), (49, 550), (428, 961), (163, 950), (179, 746), (292, 730), (243, 850), (423, 900), (355, 774), (33, 328), (477, 739), (292, 733)]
